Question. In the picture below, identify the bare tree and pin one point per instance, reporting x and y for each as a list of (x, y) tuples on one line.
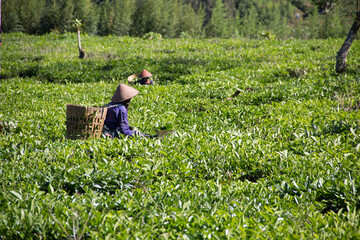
[(354, 5), (342, 53), (0, 22), (77, 24)]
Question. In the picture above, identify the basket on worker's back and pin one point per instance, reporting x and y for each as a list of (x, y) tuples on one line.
[(84, 122)]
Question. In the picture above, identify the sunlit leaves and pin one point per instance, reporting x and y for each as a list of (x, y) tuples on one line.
[(278, 160)]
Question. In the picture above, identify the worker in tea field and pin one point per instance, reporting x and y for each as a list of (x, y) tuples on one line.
[(116, 123), (144, 78)]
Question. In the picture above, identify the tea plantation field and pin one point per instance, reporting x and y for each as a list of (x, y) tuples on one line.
[(278, 161)]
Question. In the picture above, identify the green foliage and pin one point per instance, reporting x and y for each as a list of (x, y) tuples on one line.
[(191, 21), (85, 11), (172, 19), (10, 17), (220, 25), (279, 160), (52, 18), (250, 25), (116, 17), (57, 16), (166, 17), (124, 10), (29, 12), (152, 35), (67, 16), (167, 126), (155, 16)]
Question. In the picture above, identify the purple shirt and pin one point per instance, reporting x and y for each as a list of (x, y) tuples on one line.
[(116, 118)]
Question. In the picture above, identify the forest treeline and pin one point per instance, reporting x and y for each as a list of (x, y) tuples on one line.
[(180, 18)]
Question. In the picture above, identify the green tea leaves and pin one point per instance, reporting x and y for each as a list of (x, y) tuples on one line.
[(17, 195), (279, 159)]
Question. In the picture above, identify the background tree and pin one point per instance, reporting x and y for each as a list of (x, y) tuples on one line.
[(342, 53), (67, 16), (221, 23), (123, 12), (57, 16), (51, 19), (168, 17), (250, 26), (86, 11), (304, 6), (349, 8), (77, 25), (191, 20), (172, 18), (145, 17), (10, 18), (106, 18), (279, 25), (21, 15), (30, 13)]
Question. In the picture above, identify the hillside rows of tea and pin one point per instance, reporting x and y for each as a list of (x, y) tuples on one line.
[(279, 160)]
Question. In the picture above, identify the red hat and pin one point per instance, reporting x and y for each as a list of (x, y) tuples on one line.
[(145, 74)]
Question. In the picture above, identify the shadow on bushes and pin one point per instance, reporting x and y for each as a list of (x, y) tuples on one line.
[(91, 70)]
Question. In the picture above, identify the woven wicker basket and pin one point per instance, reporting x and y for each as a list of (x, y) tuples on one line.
[(84, 122)]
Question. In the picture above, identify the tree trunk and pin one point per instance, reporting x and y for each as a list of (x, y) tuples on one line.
[(0, 22), (81, 51), (342, 53), (79, 40)]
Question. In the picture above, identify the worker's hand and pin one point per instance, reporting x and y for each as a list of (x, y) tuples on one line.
[(138, 133), (150, 136)]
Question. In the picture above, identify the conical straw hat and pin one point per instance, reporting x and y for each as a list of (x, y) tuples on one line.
[(123, 92), (145, 74)]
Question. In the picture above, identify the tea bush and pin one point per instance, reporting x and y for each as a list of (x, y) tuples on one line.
[(279, 160)]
